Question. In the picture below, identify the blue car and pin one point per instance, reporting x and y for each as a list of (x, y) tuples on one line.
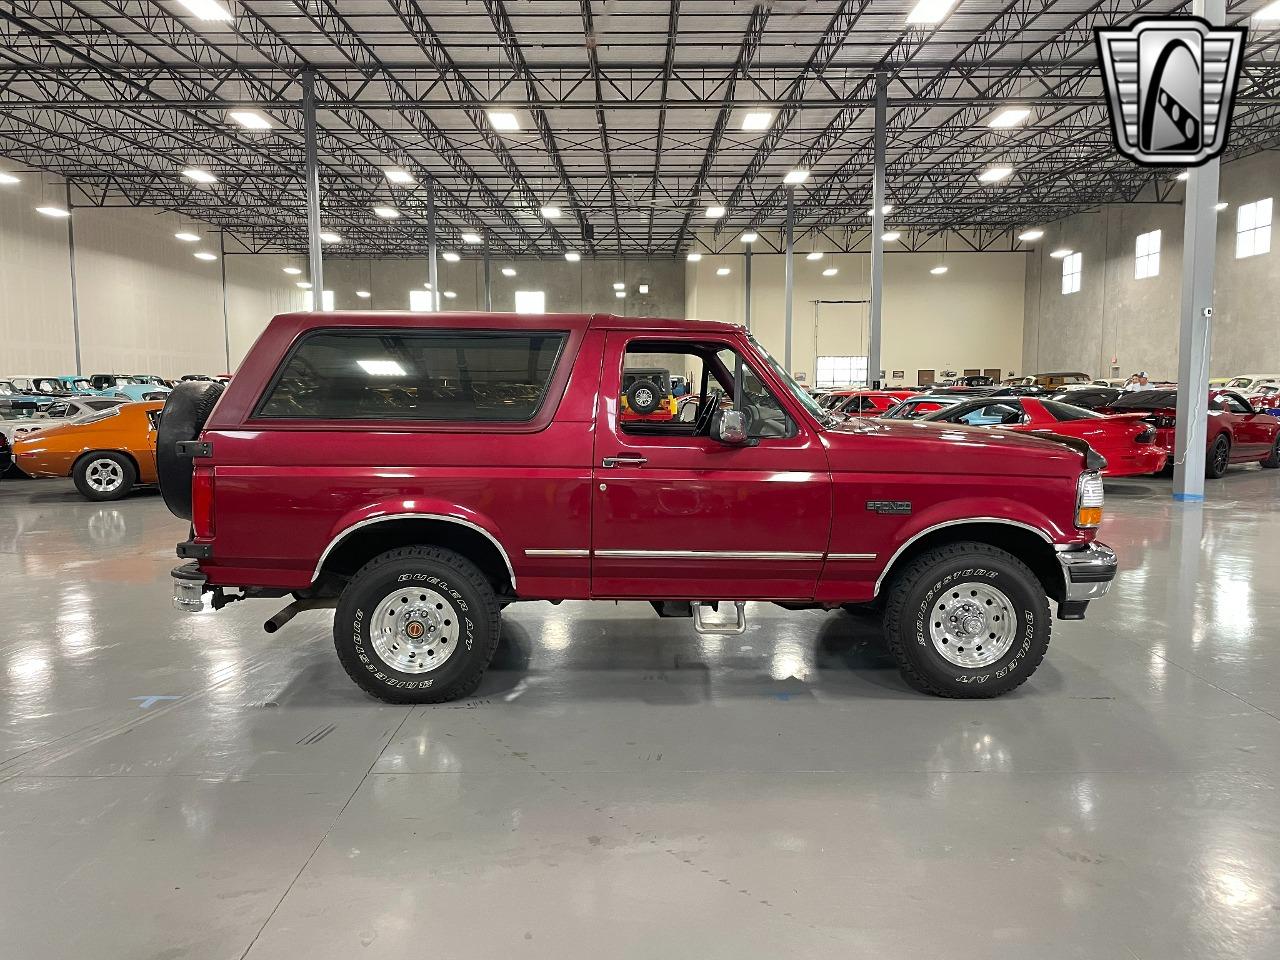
[(128, 387)]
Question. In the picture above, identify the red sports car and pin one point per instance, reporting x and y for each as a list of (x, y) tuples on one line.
[(866, 403), (1127, 442), (1238, 433)]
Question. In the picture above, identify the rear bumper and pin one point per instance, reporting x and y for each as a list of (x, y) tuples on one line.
[(1087, 573), (188, 587)]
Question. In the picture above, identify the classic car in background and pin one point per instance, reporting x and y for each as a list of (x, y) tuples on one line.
[(107, 454), (129, 387), (866, 403), (921, 406), (646, 394), (21, 415), (1127, 442)]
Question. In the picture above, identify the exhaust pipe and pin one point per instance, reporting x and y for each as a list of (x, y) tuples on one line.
[(293, 609)]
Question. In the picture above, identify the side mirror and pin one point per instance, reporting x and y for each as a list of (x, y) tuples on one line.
[(729, 427)]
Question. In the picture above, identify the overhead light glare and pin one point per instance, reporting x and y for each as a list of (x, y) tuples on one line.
[(814, 255), (886, 210), (1029, 236), (398, 176), (573, 256), (938, 270), (715, 212), (186, 237), (508, 271), (381, 368), (723, 271), (7, 178), (304, 284), (994, 174), (504, 121), (471, 238), (449, 294), (1221, 205), (1061, 252), (206, 9), (1009, 117), (930, 11), (755, 120), (363, 294), (1270, 12), (450, 256), (1183, 175), (199, 176), (330, 238), (619, 285), (891, 236), (796, 176), (250, 119), (694, 257), (205, 255), (386, 213), (51, 211), (293, 271), (830, 272), (550, 213), (619, 294), (749, 237), (643, 288)]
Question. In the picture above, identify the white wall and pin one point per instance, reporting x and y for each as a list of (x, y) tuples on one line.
[(968, 318)]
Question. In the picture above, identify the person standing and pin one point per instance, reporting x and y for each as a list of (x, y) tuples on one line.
[(1140, 383)]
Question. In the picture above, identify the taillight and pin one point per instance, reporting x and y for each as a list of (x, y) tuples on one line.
[(202, 502)]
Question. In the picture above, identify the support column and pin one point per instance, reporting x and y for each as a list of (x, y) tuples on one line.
[(315, 260), (877, 234), (431, 245), (488, 286), (75, 295), (226, 320), (1199, 235), (790, 275), (746, 280)]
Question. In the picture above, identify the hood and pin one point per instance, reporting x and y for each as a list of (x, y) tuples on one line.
[(912, 446)]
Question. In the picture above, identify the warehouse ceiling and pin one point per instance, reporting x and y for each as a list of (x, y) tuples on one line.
[(629, 117)]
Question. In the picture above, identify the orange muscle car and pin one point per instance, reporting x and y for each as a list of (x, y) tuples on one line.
[(107, 455)]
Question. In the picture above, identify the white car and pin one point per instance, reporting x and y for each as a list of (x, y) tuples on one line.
[(17, 419), (1252, 381)]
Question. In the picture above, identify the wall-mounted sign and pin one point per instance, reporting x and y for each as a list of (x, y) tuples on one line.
[(899, 374)]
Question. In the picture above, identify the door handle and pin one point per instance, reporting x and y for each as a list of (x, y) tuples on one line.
[(624, 460)]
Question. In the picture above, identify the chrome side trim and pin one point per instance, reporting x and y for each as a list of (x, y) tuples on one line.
[(706, 555), (954, 523), (851, 556), (548, 552), (415, 516)]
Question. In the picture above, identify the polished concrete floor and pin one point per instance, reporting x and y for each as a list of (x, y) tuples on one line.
[(176, 786)]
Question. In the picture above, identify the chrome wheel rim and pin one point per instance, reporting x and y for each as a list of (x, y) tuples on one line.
[(972, 625), (414, 630), (644, 397), (104, 476)]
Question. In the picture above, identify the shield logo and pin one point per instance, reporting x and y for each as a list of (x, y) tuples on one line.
[(1170, 84)]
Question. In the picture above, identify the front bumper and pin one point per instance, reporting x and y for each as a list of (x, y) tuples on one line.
[(1087, 573)]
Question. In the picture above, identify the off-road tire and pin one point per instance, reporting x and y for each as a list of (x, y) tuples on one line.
[(186, 410), (644, 409), (447, 573), (909, 603), (1273, 460), (84, 467), (1212, 469)]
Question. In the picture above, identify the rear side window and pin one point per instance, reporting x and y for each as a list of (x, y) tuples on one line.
[(445, 375), (1065, 411)]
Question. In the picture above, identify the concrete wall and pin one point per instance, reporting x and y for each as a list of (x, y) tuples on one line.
[(1116, 325), (146, 304), (968, 318)]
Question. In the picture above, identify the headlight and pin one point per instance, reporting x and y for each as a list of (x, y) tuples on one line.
[(1089, 497)]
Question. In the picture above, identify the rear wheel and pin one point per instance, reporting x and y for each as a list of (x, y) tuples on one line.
[(104, 475), (1219, 458), (967, 620), (1273, 459), (417, 625)]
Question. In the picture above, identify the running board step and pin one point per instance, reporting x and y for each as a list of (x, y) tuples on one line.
[(721, 629)]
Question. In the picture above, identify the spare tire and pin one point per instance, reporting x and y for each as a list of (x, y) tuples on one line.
[(643, 397), (185, 411)]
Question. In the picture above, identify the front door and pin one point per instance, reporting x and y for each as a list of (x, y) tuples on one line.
[(678, 515)]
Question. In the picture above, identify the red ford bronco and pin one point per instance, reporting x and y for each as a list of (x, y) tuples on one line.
[(421, 471)]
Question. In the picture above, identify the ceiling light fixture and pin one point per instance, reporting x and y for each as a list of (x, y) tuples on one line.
[(886, 210), (1183, 175), (994, 174), (643, 288), (450, 256), (550, 213), (1061, 252), (930, 11), (796, 176), (398, 175), (205, 255), (1028, 236), (471, 238), (250, 119), (619, 286), (303, 284), (508, 271), (1221, 205), (755, 120), (694, 257), (504, 121), (449, 294), (938, 270), (186, 237), (891, 236), (749, 237), (1009, 117), (830, 272), (715, 212), (386, 213), (363, 294), (199, 176), (723, 271), (207, 9), (330, 238), (619, 294), (293, 271), (51, 211), (814, 255), (381, 368), (573, 256)]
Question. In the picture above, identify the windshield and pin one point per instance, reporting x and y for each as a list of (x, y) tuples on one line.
[(6, 388), (797, 391), (1240, 381)]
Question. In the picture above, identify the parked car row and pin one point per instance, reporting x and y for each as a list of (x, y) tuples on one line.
[(122, 386)]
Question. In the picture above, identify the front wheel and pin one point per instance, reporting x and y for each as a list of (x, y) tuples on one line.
[(417, 625), (1219, 458), (967, 620), (104, 476), (1273, 459)]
